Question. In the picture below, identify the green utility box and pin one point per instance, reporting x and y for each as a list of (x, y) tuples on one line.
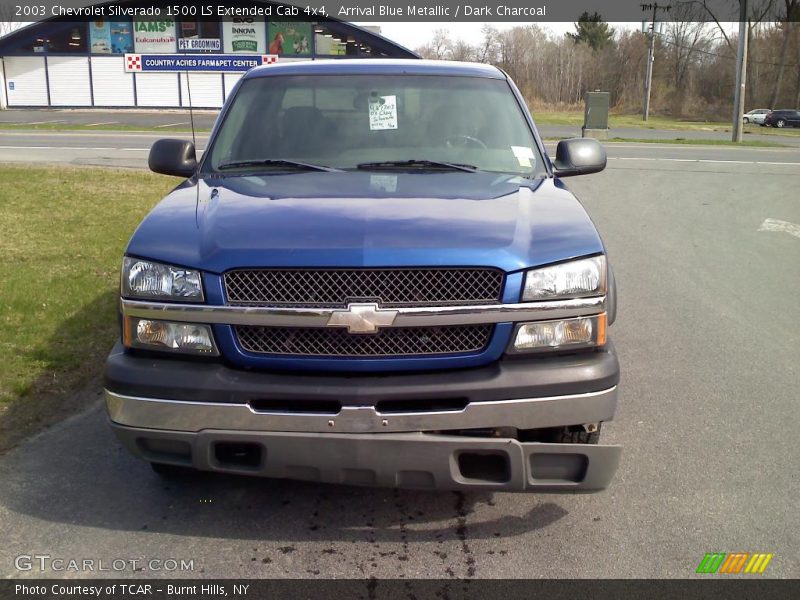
[(595, 116)]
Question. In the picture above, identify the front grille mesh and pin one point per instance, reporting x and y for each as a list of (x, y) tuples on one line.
[(335, 288), (399, 341)]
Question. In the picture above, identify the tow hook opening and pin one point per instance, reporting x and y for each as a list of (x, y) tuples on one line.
[(238, 455), (174, 452), (491, 467)]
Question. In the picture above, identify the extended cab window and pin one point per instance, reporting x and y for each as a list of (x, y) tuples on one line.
[(346, 121)]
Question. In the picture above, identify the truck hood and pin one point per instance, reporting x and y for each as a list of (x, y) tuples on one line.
[(366, 219)]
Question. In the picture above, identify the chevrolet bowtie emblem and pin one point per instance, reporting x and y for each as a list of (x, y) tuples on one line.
[(362, 318)]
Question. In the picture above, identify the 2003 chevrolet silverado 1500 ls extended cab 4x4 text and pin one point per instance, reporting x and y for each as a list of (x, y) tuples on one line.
[(374, 275)]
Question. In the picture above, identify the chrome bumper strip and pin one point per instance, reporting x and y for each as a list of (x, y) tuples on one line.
[(529, 413), (405, 317)]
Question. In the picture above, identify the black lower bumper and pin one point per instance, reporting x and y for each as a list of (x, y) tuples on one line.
[(404, 460), (175, 379)]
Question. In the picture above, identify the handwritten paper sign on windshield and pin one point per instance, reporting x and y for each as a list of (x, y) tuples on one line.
[(383, 113)]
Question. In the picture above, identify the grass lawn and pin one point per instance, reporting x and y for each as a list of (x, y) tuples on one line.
[(615, 120), (62, 235), (654, 122)]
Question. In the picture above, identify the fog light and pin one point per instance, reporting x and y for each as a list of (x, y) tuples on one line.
[(555, 335), (186, 338)]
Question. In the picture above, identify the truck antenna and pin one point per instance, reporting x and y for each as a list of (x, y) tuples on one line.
[(194, 143), (191, 112)]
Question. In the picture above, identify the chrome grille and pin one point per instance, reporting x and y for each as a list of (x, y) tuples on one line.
[(337, 287), (394, 341)]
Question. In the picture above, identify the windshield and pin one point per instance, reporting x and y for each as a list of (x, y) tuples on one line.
[(371, 121)]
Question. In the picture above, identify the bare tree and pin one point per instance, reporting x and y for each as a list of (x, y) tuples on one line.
[(461, 50), (7, 27), (6, 24), (792, 15), (686, 40), (694, 74), (487, 52), (438, 48), (797, 45), (759, 10)]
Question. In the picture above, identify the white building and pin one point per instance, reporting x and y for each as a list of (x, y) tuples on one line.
[(161, 62)]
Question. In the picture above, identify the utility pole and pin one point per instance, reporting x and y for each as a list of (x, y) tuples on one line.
[(648, 78), (741, 73)]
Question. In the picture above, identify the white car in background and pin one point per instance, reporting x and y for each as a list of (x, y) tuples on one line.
[(756, 116)]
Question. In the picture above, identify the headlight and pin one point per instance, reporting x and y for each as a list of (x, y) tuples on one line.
[(574, 279), (186, 338), (155, 281), (583, 332)]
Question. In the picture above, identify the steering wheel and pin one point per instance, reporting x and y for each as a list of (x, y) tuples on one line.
[(464, 141)]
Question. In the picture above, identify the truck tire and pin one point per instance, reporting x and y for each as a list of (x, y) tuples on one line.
[(171, 471), (576, 435)]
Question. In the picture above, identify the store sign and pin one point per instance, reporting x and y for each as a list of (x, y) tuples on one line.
[(198, 44), (204, 63), (244, 35), (154, 36)]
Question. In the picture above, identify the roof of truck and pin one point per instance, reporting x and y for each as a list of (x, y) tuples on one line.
[(375, 66)]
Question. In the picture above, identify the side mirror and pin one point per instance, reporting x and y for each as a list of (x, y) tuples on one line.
[(173, 157), (579, 156)]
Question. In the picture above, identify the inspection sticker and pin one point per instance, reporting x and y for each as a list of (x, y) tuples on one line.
[(524, 155), (383, 112)]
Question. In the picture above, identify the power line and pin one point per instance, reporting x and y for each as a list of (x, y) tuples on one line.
[(706, 52)]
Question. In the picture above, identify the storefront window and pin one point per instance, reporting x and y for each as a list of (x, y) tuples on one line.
[(330, 41), (70, 39), (27, 42), (290, 38), (199, 36), (327, 43), (110, 37)]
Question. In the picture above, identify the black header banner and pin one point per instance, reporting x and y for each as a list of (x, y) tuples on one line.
[(522, 11)]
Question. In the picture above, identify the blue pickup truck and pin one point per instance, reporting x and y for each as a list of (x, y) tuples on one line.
[(374, 275)]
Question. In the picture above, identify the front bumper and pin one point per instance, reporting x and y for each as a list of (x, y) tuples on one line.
[(406, 460), (208, 416)]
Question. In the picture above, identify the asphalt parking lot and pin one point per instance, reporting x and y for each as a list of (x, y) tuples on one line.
[(705, 246)]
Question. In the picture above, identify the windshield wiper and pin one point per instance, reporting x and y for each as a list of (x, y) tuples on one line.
[(276, 162), (416, 164)]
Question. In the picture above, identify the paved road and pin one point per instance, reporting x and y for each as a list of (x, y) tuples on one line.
[(708, 339), (126, 149), (751, 133), (171, 119), (144, 118)]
